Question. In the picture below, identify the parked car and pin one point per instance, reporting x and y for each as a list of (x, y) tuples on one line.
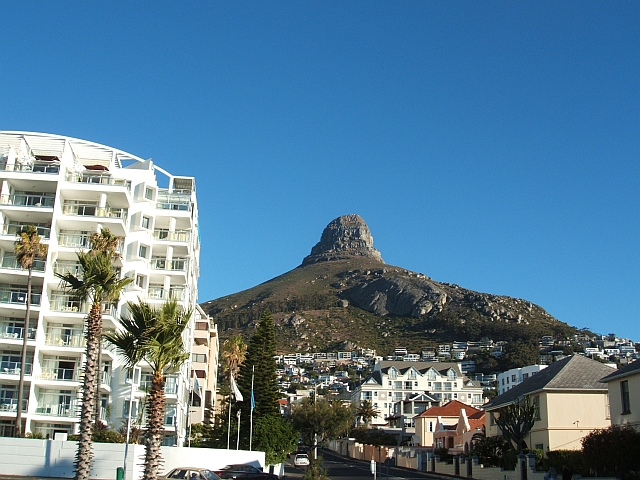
[(192, 473), (301, 460), (245, 471)]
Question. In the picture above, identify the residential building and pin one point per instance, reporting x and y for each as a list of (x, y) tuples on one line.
[(433, 419), (570, 399), (409, 408), (68, 189), (204, 368), (457, 437), (394, 381), (624, 395), (509, 379)]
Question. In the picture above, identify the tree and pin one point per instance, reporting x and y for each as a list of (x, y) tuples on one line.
[(321, 419), (259, 367), (27, 248), (521, 353), (516, 421), (276, 437), (234, 351), (366, 411), (613, 451), (155, 336), (98, 283)]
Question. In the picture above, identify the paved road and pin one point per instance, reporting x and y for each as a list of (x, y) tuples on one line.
[(342, 468)]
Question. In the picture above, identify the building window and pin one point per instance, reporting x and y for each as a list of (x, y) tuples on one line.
[(199, 357), (513, 378), (539, 446), (140, 281), (525, 376), (148, 193), (146, 221), (536, 403), (624, 396), (143, 251), (393, 373)]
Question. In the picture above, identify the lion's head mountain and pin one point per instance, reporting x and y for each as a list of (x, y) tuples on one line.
[(344, 296)]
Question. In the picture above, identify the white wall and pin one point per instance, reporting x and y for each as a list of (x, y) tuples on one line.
[(54, 458)]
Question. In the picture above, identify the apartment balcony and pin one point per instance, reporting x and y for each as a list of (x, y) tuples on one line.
[(99, 180), (201, 337), (176, 265), (62, 374), (58, 409), (14, 330), (179, 236), (170, 385), (17, 296), (51, 167), (76, 240), (176, 200), (11, 405), (13, 228), (65, 337), (13, 368), (31, 200), (71, 304), (93, 210), (63, 267), (160, 293), (11, 262)]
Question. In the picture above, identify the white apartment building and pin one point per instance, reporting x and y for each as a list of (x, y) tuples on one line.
[(395, 381), (70, 188), (509, 379)]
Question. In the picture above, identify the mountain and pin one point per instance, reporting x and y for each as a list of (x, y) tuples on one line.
[(344, 296)]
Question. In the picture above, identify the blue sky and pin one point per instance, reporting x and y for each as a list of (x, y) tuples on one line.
[(490, 144)]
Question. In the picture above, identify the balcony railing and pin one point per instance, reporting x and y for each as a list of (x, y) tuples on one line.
[(79, 240), (17, 296), (36, 167), (11, 405), (99, 179), (64, 374), (65, 337), (14, 228), (68, 266), (28, 200), (106, 378), (65, 303), (167, 236), (92, 210), (159, 293), (11, 262), (58, 409), (12, 331), (178, 264), (13, 368), (173, 201)]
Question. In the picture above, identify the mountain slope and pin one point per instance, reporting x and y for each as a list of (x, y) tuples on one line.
[(344, 295)]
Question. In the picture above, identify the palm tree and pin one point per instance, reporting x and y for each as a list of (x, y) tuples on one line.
[(155, 336), (98, 283), (106, 242), (234, 351), (26, 247), (367, 411)]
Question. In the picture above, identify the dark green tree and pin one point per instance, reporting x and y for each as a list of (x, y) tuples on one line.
[(260, 364), (613, 451), (516, 421), (521, 353), (322, 420), (275, 436)]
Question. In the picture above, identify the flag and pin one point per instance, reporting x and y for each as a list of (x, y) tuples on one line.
[(253, 400), (235, 390)]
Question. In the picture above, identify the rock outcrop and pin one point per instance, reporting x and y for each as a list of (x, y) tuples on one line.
[(345, 237)]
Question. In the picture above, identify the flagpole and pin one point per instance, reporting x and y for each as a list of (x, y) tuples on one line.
[(253, 371)]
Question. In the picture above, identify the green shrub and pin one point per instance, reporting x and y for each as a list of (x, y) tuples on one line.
[(107, 436), (613, 451), (39, 435), (573, 459)]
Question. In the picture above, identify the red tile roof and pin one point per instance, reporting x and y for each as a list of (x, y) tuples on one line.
[(451, 409)]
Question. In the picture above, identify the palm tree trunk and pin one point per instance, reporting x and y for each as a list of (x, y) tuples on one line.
[(155, 427), (23, 359), (94, 333)]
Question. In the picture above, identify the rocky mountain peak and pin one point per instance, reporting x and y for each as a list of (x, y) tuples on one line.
[(345, 237)]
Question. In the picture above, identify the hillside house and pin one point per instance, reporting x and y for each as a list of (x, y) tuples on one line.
[(445, 418)]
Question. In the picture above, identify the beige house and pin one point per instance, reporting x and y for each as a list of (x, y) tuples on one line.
[(457, 438), (624, 395), (571, 403)]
